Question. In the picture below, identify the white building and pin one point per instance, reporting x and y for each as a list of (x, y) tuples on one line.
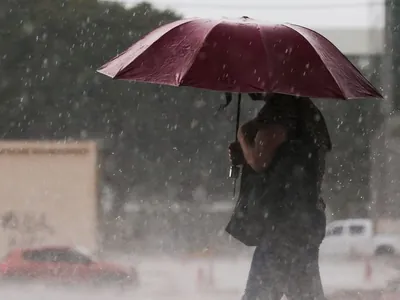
[(356, 42), (385, 147), (385, 173)]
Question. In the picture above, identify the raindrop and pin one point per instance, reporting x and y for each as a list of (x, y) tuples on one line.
[(45, 63), (194, 123)]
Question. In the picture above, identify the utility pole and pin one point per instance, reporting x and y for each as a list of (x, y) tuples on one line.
[(392, 36), (390, 77), (393, 31), (387, 79)]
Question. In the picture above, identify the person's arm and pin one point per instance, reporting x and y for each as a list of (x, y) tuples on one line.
[(259, 143)]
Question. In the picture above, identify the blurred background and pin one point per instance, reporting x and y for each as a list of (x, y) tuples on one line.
[(155, 157)]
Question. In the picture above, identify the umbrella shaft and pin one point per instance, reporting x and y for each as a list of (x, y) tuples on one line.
[(234, 171), (238, 116)]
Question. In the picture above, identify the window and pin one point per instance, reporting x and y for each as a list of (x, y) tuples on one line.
[(74, 257), (356, 229), (56, 255), (338, 230), (41, 255)]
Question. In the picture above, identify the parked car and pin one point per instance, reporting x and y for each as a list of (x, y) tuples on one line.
[(63, 265), (359, 237)]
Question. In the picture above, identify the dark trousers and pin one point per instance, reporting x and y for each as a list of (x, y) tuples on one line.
[(283, 266)]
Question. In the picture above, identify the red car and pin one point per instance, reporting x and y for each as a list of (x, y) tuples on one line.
[(62, 265)]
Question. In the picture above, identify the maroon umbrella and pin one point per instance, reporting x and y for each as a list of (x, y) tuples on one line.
[(242, 56)]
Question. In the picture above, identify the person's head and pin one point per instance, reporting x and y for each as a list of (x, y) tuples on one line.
[(278, 105), (307, 118)]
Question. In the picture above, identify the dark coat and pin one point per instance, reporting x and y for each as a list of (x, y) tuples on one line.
[(284, 198)]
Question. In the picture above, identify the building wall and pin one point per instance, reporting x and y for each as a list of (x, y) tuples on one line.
[(48, 194), (356, 42)]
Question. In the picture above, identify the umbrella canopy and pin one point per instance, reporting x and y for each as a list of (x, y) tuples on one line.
[(242, 56)]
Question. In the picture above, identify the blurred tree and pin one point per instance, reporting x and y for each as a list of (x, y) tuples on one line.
[(158, 135)]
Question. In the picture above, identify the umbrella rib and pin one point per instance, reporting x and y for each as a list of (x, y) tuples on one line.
[(195, 55), (317, 33), (265, 49), (125, 68), (319, 56)]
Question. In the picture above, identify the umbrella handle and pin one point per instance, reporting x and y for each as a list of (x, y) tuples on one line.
[(234, 171)]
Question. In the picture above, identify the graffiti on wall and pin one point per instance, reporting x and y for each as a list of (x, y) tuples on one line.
[(25, 229)]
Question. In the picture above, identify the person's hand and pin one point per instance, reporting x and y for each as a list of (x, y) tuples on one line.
[(236, 154)]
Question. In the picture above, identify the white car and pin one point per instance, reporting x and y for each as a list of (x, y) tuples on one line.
[(358, 237)]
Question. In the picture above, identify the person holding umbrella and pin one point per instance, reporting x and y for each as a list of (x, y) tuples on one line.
[(283, 156), (283, 150)]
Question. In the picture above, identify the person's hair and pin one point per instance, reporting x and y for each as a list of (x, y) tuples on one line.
[(310, 123)]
